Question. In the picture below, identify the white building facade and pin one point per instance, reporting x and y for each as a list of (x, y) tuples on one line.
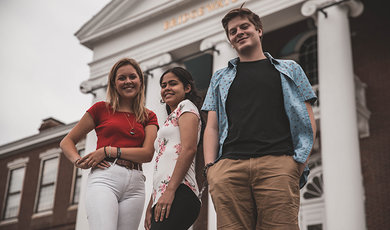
[(162, 33)]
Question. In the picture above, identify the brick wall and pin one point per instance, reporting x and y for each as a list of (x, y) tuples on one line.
[(371, 52), (62, 217)]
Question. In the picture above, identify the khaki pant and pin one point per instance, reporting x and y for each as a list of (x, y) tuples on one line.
[(257, 193)]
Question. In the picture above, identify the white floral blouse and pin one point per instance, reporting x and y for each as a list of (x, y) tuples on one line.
[(168, 147)]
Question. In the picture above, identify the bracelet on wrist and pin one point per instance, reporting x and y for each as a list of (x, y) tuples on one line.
[(105, 153), (118, 152), (206, 167), (75, 162)]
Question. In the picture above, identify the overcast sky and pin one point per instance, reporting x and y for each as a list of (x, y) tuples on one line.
[(42, 63)]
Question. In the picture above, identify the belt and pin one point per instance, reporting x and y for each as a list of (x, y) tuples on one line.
[(125, 163)]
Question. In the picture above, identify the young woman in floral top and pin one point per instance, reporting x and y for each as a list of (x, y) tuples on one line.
[(174, 203)]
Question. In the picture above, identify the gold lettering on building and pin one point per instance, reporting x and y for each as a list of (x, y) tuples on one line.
[(195, 13)]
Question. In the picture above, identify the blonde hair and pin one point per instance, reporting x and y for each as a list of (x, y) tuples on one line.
[(138, 105)]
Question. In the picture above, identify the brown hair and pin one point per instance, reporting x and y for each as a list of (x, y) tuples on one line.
[(138, 106), (242, 12)]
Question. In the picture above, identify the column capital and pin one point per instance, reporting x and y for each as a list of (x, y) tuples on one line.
[(156, 61), (309, 8), (212, 41), (90, 85)]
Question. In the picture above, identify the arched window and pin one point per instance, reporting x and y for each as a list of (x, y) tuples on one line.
[(308, 58), (303, 49), (314, 188)]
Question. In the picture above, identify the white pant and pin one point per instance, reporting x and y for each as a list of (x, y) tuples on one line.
[(115, 198)]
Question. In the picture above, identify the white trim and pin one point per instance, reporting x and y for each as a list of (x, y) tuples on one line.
[(36, 140), (156, 41), (211, 41), (309, 8), (312, 210), (316, 172), (50, 153), (9, 221), (72, 207), (80, 145), (19, 162), (97, 33), (41, 214), (74, 176)]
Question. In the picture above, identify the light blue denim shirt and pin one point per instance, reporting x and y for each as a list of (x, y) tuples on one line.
[(296, 90)]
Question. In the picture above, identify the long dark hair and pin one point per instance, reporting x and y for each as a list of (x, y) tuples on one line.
[(185, 77)]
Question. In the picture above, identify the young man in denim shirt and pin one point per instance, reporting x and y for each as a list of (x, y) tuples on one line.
[(259, 133)]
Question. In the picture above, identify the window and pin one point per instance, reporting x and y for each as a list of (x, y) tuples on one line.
[(303, 49), (314, 188), (201, 69), (77, 182), (308, 59), (47, 184), (14, 188), (14, 193)]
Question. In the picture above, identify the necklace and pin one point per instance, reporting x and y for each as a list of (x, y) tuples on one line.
[(132, 131)]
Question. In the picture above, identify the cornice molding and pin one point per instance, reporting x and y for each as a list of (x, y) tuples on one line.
[(310, 8), (159, 60), (181, 35), (92, 84), (37, 140), (110, 19)]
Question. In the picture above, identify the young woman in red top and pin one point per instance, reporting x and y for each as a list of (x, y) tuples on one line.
[(125, 132)]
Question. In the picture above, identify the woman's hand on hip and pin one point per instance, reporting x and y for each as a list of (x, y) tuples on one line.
[(94, 159)]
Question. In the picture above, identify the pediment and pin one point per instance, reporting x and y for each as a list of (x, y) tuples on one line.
[(121, 14)]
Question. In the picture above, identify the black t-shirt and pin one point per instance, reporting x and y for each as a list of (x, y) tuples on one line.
[(258, 124)]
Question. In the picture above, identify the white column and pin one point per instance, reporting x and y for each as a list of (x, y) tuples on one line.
[(224, 52), (343, 182), (221, 58), (97, 87), (153, 96), (81, 220)]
